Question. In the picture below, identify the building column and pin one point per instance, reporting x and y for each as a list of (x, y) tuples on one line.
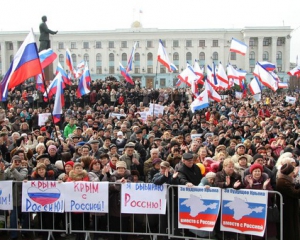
[(3, 57), (16, 47), (260, 49), (274, 50), (286, 57), (246, 65)]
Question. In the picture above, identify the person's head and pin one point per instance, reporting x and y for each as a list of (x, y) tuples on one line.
[(77, 168), (52, 150), (228, 166), (85, 150), (41, 169), (187, 159), (287, 169), (164, 165), (210, 176), (44, 18), (16, 160), (258, 158), (154, 153), (156, 163), (135, 175), (242, 160), (240, 149), (104, 158), (69, 166), (256, 170), (95, 165), (94, 145), (121, 167), (114, 158), (129, 149)]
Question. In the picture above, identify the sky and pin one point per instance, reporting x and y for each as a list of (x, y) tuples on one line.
[(80, 15)]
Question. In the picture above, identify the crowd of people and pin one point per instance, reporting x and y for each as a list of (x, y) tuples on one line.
[(232, 144)]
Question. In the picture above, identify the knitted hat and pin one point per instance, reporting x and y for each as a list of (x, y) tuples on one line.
[(156, 160), (210, 175), (121, 164), (71, 163), (287, 168), (40, 165), (255, 166), (52, 147), (257, 156), (59, 164), (239, 145)]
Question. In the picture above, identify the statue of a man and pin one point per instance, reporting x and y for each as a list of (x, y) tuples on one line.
[(44, 37)]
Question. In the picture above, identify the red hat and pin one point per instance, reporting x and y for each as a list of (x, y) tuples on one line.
[(255, 166), (69, 163), (272, 140), (43, 129)]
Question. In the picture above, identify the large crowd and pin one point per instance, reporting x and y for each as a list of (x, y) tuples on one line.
[(102, 137)]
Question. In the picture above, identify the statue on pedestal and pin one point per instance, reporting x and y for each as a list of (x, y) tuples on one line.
[(44, 37)]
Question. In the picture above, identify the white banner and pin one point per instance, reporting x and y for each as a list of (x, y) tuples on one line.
[(257, 97), (42, 196), (6, 200), (43, 117), (86, 197), (118, 115), (290, 99), (244, 211), (143, 115), (143, 198), (195, 136), (198, 207), (157, 109)]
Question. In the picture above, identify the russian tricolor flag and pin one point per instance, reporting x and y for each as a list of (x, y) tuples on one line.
[(69, 61), (26, 64), (47, 57), (238, 46), (283, 85), (59, 102), (84, 85), (268, 66), (125, 74), (39, 84), (63, 73), (52, 89)]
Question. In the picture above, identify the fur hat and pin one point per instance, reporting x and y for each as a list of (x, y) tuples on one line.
[(255, 166), (121, 164), (210, 175), (287, 168)]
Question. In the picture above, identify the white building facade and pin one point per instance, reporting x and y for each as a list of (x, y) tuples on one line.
[(103, 50)]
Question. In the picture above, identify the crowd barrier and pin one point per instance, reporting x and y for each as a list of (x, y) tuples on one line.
[(112, 223)]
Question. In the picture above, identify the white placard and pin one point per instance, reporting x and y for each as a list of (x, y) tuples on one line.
[(143, 198), (43, 117), (156, 108), (86, 197), (290, 99), (6, 200), (42, 196), (118, 115), (194, 136)]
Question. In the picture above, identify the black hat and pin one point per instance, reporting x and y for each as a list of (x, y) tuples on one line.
[(187, 156), (287, 168), (42, 156), (112, 146), (93, 142), (257, 156), (139, 131), (157, 139)]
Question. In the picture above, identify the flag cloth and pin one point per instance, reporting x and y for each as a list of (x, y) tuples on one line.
[(254, 86), (162, 56), (200, 102), (47, 57), (265, 77), (69, 61), (283, 85), (59, 101), (268, 66), (26, 64), (130, 60), (84, 85), (52, 88), (199, 72), (295, 71), (188, 75), (39, 83), (212, 94), (125, 74), (210, 78), (238, 95), (63, 73), (238, 46), (178, 83), (222, 77), (173, 67), (80, 68)]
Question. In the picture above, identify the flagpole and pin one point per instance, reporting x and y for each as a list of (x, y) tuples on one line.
[(155, 87)]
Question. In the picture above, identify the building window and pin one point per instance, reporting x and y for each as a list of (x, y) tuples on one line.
[(74, 58), (61, 58), (111, 57), (189, 56), (201, 43), (86, 45), (149, 69), (136, 70), (279, 68), (149, 44), (188, 43), (252, 69), (279, 55), (123, 44), (202, 56), (99, 70), (98, 57), (252, 56), (11, 58), (111, 44), (137, 44), (73, 45), (111, 70), (137, 57), (164, 43), (265, 56), (215, 43), (267, 41), (251, 42), (149, 57), (19, 44), (280, 41), (10, 46), (86, 57), (0, 58), (175, 43), (162, 82), (232, 56), (162, 69), (175, 56), (124, 57), (215, 56), (98, 44), (60, 45)]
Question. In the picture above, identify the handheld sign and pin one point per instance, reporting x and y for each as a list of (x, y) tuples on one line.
[(6, 201)]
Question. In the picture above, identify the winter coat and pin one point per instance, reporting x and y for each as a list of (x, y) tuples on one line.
[(78, 177), (291, 197), (221, 179), (192, 175), (98, 176)]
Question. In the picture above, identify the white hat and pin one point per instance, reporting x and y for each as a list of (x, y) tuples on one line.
[(119, 133)]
